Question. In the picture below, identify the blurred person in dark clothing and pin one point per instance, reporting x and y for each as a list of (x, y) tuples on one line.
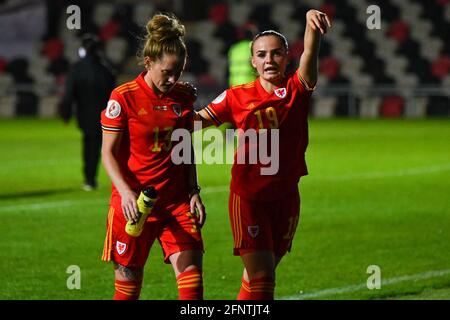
[(88, 87), (27, 100)]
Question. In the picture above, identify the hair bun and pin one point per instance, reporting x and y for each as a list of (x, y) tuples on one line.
[(164, 36), (163, 28)]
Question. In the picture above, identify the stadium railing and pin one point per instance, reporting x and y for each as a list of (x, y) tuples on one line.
[(328, 101)]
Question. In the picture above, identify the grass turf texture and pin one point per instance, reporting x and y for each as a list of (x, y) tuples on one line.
[(377, 194)]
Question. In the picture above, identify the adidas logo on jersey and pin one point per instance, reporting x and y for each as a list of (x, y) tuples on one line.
[(142, 112)]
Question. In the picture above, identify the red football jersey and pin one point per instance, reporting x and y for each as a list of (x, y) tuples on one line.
[(249, 106), (146, 122)]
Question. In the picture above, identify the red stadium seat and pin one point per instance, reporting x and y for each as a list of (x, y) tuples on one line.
[(441, 67), (109, 31), (392, 107), (329, 66), (53, 48), (329, 9), (219, 13), (399, 30), (3, 64), (297, 49), (206, 79)]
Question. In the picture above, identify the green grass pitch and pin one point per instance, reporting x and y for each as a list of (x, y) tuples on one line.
[(378, 193)]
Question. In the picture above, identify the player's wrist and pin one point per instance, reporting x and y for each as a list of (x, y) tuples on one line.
[(193, 190), (125, 191)]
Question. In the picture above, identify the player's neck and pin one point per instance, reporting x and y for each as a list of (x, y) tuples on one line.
[(270, 86), (151, 85)]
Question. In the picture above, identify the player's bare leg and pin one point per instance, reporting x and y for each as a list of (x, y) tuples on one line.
[(187, 266), (258, 264), (258, 279), (128, 282), (245, 273)]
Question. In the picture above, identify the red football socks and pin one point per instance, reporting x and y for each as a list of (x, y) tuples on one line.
[(262, 288), (127, 290), (244, 293), (190, 285)]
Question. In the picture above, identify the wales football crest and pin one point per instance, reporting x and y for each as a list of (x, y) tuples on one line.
[(121, 247), (253, 231), (177, 109)]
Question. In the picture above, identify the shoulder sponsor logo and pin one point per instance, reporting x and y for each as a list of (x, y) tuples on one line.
[(280, 93), (220, 98), (113, 109), (177, 109), (121, 247), (253, 231)]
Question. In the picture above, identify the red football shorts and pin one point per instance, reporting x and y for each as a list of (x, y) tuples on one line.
[(268, 225), (175, 227)]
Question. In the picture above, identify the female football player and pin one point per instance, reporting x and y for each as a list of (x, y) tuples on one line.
[(137, 127), (264, 209)]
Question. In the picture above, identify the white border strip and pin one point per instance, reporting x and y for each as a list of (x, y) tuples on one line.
[(72, 203), (224, 188), (358, 287), (386, 174), (52, 205)]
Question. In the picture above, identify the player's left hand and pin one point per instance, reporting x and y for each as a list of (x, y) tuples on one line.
[(190, 87), (198, 208), (318, 20)]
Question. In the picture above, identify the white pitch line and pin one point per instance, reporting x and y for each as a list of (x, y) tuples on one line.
[(51, 205), (386, 174), (6, 166), (224, 188), (362, 286), (71, 203), (216, 189)]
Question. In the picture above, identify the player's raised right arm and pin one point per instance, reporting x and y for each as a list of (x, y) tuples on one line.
[(317, 24), (110, 145)]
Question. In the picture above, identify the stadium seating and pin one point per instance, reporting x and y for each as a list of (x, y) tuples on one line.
[(410, 51)]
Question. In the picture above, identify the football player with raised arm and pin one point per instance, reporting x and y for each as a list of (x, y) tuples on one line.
[(264, 210)]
